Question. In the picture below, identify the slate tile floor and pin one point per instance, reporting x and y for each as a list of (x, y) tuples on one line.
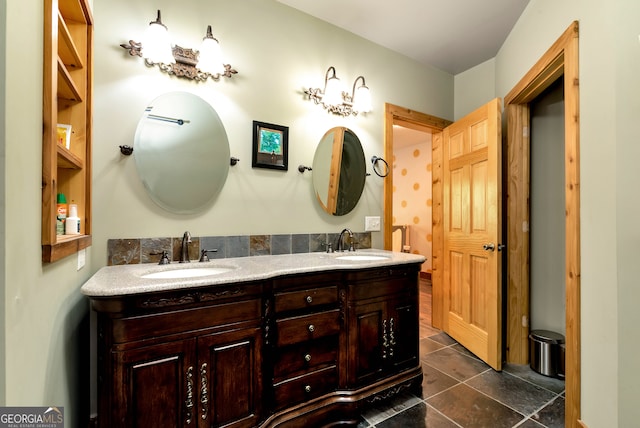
[(459, 390)]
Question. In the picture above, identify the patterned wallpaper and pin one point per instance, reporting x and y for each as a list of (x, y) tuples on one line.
[(412, 196)]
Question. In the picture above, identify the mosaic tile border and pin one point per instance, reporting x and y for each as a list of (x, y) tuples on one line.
[(148, 250)]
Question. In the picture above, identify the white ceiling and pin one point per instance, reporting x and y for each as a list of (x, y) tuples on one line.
[(451, 35), (406, 137)]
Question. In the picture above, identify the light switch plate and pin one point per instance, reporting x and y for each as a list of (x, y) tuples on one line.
[(372, 223)]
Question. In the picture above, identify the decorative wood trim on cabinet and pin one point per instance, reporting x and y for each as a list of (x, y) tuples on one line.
[(67, 99)]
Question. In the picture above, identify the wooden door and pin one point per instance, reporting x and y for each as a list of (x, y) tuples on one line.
[(472, 232)]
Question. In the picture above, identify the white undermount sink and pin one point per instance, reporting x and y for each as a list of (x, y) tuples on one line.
[(362, 257), (186, 273)]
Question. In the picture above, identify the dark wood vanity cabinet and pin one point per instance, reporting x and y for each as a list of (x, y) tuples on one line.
[(294, 351)]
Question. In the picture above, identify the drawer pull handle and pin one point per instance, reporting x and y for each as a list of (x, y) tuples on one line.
[(307, 388), (311, 328), (392, 338), (189, 401), (385, 341), (204, 393), (309, 299), (307, 357)]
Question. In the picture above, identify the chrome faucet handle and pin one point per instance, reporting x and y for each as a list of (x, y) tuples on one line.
[(329, 247), (204, 254), (164, 257)]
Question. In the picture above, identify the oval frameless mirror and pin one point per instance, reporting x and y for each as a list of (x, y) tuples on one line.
[(339, 171), (181, 152)]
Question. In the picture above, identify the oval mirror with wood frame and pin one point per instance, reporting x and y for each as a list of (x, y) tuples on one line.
[(339, 171)]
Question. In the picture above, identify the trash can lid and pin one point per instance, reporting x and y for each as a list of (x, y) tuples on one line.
[(547, 336)]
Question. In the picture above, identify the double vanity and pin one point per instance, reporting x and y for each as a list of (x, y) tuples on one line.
[(298, 340)]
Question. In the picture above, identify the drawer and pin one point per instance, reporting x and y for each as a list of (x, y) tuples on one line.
[(306, 387), (383, 288), (309, 298), (304, 357), (384, 273), (308, 327), (165, 323)]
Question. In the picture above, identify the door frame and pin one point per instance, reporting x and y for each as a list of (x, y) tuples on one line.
[(394, 114), (560, 60)]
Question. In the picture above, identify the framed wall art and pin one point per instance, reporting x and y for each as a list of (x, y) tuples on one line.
[(270, 146)]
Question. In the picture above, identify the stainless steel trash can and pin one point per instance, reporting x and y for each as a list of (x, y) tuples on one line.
[(544, 352), (563, 350)]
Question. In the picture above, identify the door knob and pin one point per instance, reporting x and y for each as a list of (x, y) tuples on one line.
[(489, 247)]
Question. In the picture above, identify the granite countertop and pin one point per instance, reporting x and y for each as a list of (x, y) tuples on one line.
[(123, 280)]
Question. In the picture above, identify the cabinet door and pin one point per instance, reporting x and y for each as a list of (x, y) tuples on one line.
[(155, 386), (403, 334), (366, 353), (230, 378)]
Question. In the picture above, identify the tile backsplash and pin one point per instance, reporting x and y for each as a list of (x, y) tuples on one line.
[(149, 250)]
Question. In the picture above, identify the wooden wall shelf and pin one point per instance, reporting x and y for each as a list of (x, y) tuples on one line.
[(67, 99), (66, 159), (67, 50)]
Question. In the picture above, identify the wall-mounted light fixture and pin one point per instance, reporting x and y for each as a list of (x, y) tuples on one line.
[(156, 49), (336, 100)]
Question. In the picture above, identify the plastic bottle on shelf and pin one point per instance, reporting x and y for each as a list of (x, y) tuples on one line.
[(72, 223), (61, 215)]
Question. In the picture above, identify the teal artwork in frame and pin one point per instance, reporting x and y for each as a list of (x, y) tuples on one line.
[(270, 146)]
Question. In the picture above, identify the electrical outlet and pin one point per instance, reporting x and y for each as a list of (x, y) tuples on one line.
[(372, 223)]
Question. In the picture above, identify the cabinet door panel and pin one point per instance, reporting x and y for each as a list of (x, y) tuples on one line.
[(403, 332), (155, 384), (230, 378), (365, 341)]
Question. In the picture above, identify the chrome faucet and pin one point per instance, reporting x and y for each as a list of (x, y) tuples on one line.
[(184, 252), (340, 242)]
